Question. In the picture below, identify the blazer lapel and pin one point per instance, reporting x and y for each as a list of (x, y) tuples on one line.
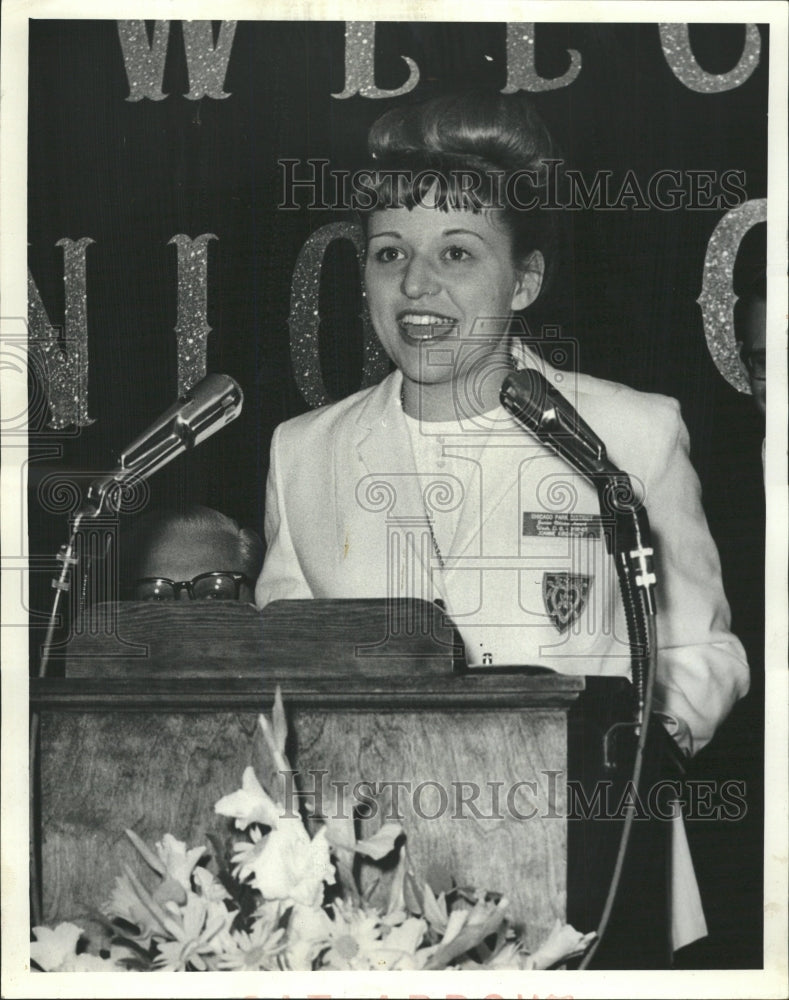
[(375, 483)]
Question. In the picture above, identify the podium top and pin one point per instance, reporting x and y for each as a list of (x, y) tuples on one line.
[(204, 638), (401, 654)]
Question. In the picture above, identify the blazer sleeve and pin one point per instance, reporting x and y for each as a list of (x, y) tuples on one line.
[(702, 669), (282, 575)]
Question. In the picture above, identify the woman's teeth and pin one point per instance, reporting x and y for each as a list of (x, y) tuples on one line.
[(423, 326)]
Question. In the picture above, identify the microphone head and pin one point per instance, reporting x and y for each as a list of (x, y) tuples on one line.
[(209, 405), (525, 394)]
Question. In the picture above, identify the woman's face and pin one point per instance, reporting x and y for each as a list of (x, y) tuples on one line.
[(441, 287)]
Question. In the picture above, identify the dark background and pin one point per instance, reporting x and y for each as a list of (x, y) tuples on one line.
[(131, 175)]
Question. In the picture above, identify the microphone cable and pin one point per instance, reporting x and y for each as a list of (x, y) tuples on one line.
[(627, 827)]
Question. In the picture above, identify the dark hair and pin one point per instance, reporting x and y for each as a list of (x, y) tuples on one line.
[(154, 525), (498, 139)]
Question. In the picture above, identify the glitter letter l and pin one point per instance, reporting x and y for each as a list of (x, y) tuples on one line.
[(521, 71), (191, 328), (360, 64)]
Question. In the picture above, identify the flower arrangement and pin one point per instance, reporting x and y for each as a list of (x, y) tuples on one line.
[(286, 900)]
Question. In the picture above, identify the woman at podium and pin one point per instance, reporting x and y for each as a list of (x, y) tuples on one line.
[(424, 486)]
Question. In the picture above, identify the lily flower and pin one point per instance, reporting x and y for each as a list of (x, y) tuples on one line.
[(309, 928), (285, 864), (177, 861), (52, 948), (250, 804), (563, 943)]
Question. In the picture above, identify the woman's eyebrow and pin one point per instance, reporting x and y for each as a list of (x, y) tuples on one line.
[(463, 232), (391, 234)]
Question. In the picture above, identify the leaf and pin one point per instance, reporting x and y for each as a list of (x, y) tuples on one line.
[(220, 850), (414, 901), (381, 843), (347, 880), (150, 856), (279, 722), (275, 741), (435, 909), (337, 817), (166, 922), (370, 891), (467, 938), (277, 752), (563, 943), (396, 902), (130, 954)]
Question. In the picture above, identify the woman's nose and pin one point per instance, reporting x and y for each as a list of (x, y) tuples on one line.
[(420, 279)]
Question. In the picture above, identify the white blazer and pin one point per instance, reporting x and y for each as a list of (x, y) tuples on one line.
[(347, 516)]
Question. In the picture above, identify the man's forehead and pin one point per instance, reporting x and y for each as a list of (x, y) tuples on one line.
[(188, 549)]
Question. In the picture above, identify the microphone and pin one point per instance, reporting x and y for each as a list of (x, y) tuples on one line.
[(209, 405), (544, 411)]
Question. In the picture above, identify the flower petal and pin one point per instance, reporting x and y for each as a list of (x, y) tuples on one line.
[(250, 804), (381, 843)]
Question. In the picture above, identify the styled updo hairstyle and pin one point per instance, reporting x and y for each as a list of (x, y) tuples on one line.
[(481, 150)]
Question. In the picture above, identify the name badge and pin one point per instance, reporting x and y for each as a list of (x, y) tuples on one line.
[(547, 525)]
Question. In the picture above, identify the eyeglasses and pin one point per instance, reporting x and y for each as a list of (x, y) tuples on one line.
[(218, 586), (755, 362)]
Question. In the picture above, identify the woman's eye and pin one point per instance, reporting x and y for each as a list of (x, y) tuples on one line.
[(456, 253), (388, 254)]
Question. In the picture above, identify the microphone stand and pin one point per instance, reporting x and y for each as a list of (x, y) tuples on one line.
[(550, 417), (212, 403)]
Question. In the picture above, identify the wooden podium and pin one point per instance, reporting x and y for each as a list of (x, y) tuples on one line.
[(156, 719)]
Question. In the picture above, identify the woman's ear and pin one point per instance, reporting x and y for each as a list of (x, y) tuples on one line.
[(529, 281)]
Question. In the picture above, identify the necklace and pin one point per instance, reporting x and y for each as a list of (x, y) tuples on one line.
[(436, 547)]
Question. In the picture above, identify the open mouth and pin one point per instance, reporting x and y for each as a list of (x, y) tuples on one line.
[(425, 326)]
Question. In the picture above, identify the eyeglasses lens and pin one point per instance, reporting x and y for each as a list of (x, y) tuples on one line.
[(214, 588), (154, 590)]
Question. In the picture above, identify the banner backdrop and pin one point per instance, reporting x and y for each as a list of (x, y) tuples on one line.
[(188, 212)]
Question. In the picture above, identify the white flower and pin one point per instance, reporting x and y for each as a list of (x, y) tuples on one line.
[(55, 951), (309, 928), (400, 946), (357, 942), (177, 861), (90, 963), (285, 864), (208, 885), (564, 942), (354, 935), (52, 948), (250, 804), (199, 935), (258, 949)]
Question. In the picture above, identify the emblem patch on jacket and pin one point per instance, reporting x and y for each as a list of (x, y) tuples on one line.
[(565, 596)]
